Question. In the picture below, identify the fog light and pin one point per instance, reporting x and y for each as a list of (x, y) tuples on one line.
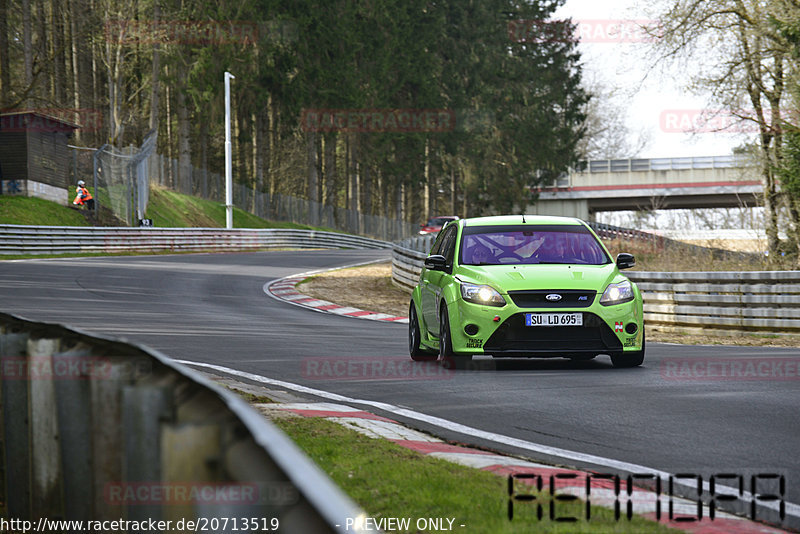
[(631, 328), (471, 329)]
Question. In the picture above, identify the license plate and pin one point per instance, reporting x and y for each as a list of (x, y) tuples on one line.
[(553, 319)]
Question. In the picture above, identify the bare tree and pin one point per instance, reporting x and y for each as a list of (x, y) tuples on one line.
[(746, 76), (120, 32), (5, 65), (27, 43), (607, 135)]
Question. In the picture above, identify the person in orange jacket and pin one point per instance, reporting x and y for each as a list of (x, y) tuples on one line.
[(83, 197)]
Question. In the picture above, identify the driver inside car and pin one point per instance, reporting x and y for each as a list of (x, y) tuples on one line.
[(481, 255)]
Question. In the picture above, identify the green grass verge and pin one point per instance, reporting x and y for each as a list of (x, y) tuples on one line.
[(251, 398), (169, 209), (387, 480), (37, 211)]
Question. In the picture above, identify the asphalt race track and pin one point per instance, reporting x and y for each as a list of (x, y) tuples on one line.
[(212, 308)]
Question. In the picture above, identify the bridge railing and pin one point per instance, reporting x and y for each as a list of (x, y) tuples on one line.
[(664, 164)]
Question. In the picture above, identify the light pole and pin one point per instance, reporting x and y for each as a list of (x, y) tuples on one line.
[(228, 164)]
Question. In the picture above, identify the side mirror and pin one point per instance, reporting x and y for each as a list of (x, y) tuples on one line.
[(437, 262), (625, 260)]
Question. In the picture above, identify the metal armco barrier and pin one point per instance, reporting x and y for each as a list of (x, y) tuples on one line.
[(95, 429), (716, 302), (755, 301), (607, 231), (406, 266), (659, 242), (16, 239)]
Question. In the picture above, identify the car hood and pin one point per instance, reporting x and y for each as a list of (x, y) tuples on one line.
[(519, 277)]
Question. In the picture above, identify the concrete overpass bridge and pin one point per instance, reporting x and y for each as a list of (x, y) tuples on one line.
[(663, 183)]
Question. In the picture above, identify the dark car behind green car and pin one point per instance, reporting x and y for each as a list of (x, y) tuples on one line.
[(524, 286)]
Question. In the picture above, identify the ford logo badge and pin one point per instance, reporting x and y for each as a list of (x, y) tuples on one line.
[(553, 297)]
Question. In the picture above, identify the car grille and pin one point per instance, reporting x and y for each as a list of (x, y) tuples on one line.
[(570, 298), (513, 338)]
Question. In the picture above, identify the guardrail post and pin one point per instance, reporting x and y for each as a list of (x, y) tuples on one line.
[(16, 423), (144, 409), (277, 497), (107, 445), (189, 452), (73, 405), (47, 477)]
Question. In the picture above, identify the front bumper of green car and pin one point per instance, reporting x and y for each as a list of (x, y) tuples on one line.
[(502, 331)]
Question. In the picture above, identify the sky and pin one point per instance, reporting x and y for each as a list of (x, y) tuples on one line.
[(658, 105)]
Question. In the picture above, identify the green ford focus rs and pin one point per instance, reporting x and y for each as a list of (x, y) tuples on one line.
[(524, 286)]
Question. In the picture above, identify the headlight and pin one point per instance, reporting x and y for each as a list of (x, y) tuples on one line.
[(485, 295), (617, 293)]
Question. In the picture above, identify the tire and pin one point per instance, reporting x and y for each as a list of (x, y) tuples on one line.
[(448, 358), (418, 354), (629, 359)]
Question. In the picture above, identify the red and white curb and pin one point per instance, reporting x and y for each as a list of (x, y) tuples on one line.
[(284, 289), (603, 493)]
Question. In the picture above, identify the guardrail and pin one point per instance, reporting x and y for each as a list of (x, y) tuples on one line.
[(406, 266), (607, 231), (755, 301), (659, 242), (15, 239), (95, 429), (717, 302)]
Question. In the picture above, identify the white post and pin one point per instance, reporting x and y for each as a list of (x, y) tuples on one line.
[(228, 164)]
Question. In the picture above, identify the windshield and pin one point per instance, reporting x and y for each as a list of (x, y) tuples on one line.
[(516, 245)]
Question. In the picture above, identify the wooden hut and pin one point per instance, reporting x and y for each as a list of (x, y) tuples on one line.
[(34, 156)]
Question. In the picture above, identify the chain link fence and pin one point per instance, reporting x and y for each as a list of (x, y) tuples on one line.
[(122, 179), (166, 172)]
